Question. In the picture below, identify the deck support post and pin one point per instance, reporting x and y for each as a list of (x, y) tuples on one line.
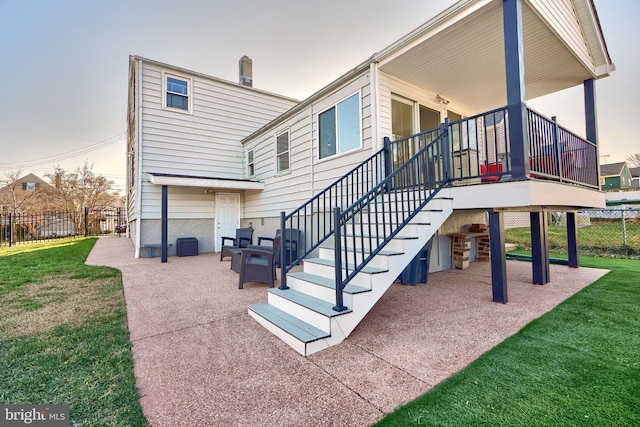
[(591, 118), (539, 248), (572, 239), (516, 99), (164, 224), (498, 259)]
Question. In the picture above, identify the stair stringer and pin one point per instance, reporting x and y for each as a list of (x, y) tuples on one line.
[(362, 303), (389, 268)]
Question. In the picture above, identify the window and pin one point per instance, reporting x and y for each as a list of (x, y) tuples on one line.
[(177, 93), (29, 186), (339, 127), (251, 170), (282, 152)]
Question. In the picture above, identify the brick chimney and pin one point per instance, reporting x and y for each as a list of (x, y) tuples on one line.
[(246, 71)]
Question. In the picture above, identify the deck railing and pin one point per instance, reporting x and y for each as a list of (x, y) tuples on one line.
[(480, 150), (398, 181), (558, 154)]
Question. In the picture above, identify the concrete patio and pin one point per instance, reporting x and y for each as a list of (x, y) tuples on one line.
[(201, 360)]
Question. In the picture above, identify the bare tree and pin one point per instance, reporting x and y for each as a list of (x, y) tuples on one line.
[(81, 189), (634, 160)]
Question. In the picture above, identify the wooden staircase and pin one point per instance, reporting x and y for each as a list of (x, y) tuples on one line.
[(303, 315)]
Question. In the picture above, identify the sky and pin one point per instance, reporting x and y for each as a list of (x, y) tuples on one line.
[(65, 65)]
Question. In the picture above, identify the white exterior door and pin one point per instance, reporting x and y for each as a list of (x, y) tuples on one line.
[(227, 216)]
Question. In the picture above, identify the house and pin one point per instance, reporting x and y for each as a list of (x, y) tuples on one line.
[(635, 177), (615, 176), (409, 148), (184, 133), (22, 194)]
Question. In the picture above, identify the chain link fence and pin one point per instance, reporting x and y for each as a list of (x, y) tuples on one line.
[(612, 232), (38, 226)]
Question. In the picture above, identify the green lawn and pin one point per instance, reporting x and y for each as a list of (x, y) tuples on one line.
[(63, 334), (598, 239), (578, 365)]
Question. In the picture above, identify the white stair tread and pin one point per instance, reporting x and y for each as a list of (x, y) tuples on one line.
[(327, 283), (312, 303), (329, 244), (288, 323), (331, 263)]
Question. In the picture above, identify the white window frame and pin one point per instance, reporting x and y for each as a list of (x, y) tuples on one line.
[(335, 105), (287, 153), (251, 163), (189, 81)]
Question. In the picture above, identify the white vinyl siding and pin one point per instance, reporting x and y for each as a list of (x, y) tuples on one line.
[(205, 143), (562, 19), (307, 175)]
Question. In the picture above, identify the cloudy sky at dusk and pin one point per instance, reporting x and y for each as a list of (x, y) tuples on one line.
[(64, 65)]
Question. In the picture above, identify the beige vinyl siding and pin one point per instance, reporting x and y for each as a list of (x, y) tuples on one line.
[(205, 143), (307, 175), (284, 191), (561, 17)]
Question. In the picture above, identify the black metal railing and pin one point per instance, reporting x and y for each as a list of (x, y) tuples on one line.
[(398, 181), (478, 148), (366, 226), (314, 219), (558, 154), (24, 227)]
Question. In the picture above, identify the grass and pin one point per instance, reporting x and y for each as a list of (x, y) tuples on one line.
[(598, 239), (63, 334), (577, 365)]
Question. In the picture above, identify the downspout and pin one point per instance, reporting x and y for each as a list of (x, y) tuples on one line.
[(375, 107), (138, 158)]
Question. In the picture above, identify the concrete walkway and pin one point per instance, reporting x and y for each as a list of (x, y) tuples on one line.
[(200, 360)]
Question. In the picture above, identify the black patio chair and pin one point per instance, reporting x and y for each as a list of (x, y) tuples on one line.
[(257, 264), (244, 238), (291, 239)]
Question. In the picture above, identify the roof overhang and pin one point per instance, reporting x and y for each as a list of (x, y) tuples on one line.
[(204, 182), (460, 53)]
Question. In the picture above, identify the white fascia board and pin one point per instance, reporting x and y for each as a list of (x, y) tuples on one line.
[(182, 181)]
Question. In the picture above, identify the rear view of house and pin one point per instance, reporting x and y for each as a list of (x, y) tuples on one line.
[(406, 150), (184, 133)]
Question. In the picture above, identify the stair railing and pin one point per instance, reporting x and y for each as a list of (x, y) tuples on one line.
[(315, 217), (366, 226)]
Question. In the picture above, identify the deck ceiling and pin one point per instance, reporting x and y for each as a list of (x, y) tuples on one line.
[(466, 61)]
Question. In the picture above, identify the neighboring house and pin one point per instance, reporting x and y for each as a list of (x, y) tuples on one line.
[(425, 138), (615, 176), (635, 177), (23, 194)]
